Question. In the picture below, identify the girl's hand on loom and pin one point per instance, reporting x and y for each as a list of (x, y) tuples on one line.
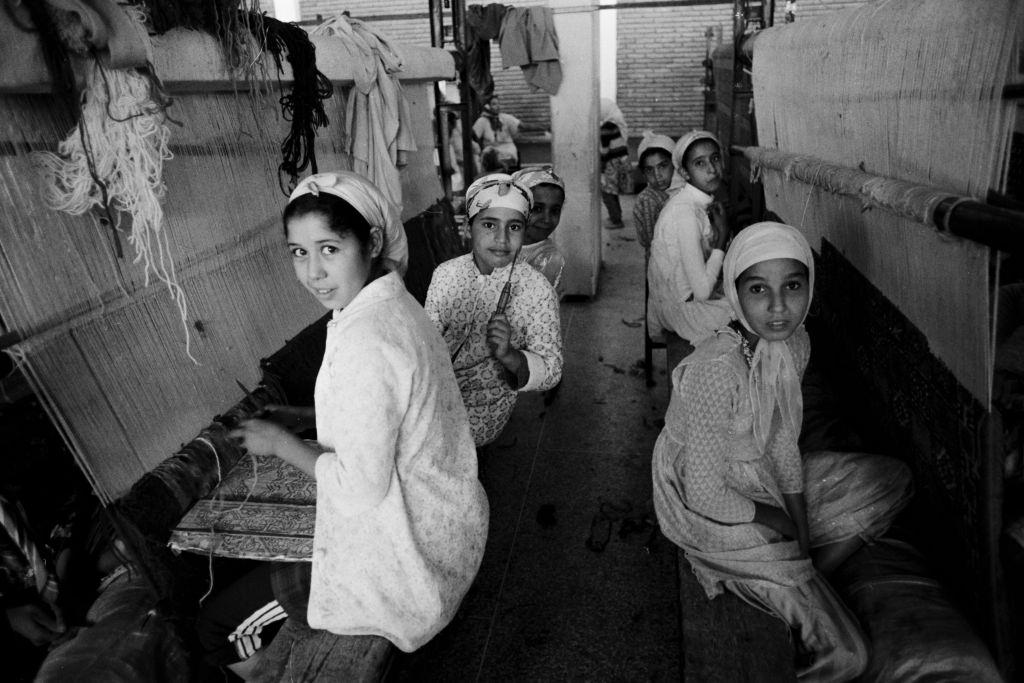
[(295, 419), (499, 337), (262, 437)]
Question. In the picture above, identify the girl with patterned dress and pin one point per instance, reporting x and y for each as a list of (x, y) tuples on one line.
[(500, 345), (401, 517), (730, 485)]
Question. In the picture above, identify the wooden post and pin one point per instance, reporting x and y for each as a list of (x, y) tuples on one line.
[(574, 145)]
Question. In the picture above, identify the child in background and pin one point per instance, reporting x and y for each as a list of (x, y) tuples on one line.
[(655, 153), (539, 249), (688, 246), (730, 486), (498, 348), (401, 517), (616, 172)]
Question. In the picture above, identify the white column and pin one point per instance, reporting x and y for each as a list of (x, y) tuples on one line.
[(574, 143)]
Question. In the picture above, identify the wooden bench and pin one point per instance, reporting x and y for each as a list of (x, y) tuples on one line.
[(726, 640)]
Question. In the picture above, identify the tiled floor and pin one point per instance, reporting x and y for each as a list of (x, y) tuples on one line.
[(566, 474)]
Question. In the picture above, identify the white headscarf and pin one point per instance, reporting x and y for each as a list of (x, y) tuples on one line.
[(774, 380), (652, 140), (363, 196), (684, 143), (498, 190), (610, 113)]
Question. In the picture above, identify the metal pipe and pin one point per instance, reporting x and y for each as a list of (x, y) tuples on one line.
[(465, 94), (993, 226)]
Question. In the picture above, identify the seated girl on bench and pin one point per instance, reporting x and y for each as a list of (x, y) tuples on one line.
[(401, 517), (498, 315), (730, 486)]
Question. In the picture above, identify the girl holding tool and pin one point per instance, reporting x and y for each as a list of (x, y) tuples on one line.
[(401, 517), (730, 485), (499, 345)]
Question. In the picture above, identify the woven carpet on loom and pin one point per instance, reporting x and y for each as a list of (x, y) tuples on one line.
[(264, 509)]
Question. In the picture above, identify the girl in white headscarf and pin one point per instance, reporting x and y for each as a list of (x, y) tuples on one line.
[(730, 485), (498, 315), (688, 246), (401, 517)]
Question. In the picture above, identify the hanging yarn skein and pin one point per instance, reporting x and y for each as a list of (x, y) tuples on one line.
[(113, 160), (303, 106)]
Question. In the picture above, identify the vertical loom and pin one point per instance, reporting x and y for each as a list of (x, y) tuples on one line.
[(105, 352), (867, 120)]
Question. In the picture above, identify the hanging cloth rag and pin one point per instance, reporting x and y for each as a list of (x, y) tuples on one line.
[(528, 40), (483, 24), (378, 120)]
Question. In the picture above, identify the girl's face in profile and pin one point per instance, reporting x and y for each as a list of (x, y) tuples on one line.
[(546, 212), (332, 266), (774, 296), (703, 166), (497, 235)]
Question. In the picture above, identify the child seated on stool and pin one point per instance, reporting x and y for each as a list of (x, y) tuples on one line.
[(655, 152), (539, 249), (500, 344), (688, 247)]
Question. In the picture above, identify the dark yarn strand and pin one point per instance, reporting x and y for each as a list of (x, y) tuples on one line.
[(303, 106)]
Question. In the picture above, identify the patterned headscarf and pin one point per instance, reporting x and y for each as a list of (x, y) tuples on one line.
[(542, 174), (498, 190), (773, 374), (370, 202), (684, 143)]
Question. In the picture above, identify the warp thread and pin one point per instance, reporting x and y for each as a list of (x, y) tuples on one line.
[(223, 510)]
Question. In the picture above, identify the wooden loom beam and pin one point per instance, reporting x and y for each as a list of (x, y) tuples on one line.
[(992, 226)]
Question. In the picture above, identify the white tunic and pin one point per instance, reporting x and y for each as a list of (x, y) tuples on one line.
[(401, 518)]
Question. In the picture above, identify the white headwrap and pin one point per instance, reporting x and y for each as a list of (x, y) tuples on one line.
[(684, 143), (542, 174), (652, 140), (773, 375), (498, 190), (363, 196)]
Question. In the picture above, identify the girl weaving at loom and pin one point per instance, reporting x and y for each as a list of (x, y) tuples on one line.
[(688, 246), (499, 316), (401, 518), (539, 249), (730, 487)]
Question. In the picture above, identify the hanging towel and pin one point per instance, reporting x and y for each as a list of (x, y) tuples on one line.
[(528, 40), (483, 23)]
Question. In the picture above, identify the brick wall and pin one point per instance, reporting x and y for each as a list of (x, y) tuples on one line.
[(659, 59), (660, 51)]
